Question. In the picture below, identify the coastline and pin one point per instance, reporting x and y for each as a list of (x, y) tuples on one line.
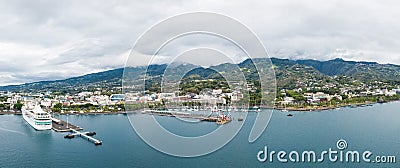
[(67, 113), (90, 113), (289, 109), (323, 108), (10, 113)]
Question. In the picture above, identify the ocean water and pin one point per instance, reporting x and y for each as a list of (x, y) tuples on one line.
[(375, 128)]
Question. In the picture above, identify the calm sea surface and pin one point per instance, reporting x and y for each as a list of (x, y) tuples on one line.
[(375, 128)]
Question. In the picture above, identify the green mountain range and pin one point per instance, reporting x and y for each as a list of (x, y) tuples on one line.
[(289, 73)]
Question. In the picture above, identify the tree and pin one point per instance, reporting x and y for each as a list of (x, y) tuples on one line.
[(18, 105), (297, 96), (58, 105), (54, 109), (106, 109), (228, 99)]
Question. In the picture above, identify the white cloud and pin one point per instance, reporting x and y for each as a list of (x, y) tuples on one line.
[(41, 40)]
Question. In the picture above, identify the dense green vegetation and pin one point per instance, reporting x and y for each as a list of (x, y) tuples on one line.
[(309, 75), (18, 105), (288, 72)]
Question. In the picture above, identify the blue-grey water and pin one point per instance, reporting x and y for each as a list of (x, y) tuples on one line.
[(375, 128)]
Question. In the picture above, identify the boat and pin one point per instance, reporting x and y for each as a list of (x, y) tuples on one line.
[(221, 122), (69, 136), (90, 133), (36, 117), (289, 115)]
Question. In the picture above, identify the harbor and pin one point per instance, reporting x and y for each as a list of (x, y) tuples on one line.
[(41, 120), (122, 146)]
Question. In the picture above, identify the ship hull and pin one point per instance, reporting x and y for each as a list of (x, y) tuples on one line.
[(36, 124)]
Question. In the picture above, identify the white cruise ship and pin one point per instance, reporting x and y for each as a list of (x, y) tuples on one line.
[(36, 117)]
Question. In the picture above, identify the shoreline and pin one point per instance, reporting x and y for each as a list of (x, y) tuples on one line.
[(323, 108), (67, 113), (90, 113), (10, 113), (288, 109)]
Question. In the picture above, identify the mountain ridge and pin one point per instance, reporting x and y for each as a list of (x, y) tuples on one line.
[(287, 71)]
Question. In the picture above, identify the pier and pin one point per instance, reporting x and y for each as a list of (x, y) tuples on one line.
[(186, 115), (10, 112), (86, 135), (63, 126)]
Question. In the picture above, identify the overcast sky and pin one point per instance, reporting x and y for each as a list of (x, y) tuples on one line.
[(46, 40)]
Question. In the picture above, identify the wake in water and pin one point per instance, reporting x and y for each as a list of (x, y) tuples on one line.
[(3, 129), (13, 131)]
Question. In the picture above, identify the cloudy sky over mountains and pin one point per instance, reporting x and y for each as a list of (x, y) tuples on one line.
[(46, 40)]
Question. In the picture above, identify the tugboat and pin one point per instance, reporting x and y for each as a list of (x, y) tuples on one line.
[(69, 136), (91, 133)]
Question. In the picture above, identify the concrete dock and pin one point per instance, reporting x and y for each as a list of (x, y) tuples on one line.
[(10, 112), (63, 126), (182, 115)]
